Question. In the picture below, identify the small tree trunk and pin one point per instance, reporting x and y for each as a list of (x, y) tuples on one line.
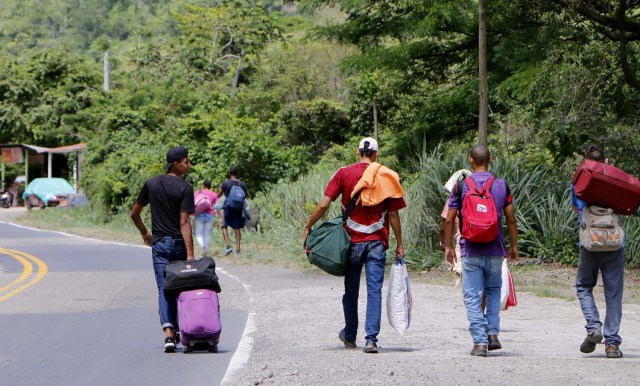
[(484, 87), (236, 77)]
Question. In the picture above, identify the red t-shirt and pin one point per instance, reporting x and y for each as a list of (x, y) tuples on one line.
[(366, 223)]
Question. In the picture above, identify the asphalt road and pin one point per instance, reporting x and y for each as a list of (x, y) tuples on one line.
[(75, 311)]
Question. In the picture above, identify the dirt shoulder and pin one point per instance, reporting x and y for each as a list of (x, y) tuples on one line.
[(297, 318)]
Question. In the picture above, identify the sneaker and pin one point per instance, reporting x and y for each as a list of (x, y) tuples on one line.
[(169, 344), (479, 350), (589, 345), (343, 339), (237, 252), (371, 348), (612, 351), (228, 250), (494, 343)]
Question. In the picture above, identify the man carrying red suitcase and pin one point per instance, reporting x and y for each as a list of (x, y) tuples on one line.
[(606, 257)]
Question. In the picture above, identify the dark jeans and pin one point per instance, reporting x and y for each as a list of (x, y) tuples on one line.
[(611, 265), (163, 251), (371, 254)]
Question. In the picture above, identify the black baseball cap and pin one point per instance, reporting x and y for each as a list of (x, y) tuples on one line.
[(175, 154)]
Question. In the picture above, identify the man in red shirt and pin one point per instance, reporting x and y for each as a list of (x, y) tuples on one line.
[(368, 227)]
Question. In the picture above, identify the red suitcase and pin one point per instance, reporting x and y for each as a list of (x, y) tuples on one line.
[(607, 186)]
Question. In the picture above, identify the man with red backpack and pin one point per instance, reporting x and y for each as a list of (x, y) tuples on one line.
[(481, 199)]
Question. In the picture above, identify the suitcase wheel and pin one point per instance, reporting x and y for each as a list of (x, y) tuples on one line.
[(213, 349), (188, 349)]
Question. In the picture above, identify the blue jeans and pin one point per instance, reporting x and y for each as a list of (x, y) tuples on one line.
[(611, 264), (371, 254), (163, 251), (482, 275), (204, 223)]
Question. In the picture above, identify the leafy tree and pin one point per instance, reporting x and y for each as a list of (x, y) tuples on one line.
[(616, 21), (214, 36), (45, 100), (317, 125)]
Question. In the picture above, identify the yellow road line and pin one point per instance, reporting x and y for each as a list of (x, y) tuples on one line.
[(28, 269), (26, 260)]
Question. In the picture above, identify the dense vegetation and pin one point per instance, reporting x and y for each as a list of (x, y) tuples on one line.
[(282, 89)]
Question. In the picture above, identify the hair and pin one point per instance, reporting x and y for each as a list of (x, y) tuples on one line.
[(207, 184), (595, 153), (233, 171), (366, 152), (480, 155)]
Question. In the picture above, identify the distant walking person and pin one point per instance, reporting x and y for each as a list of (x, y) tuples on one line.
[(205, 199), (482, 199), (368, 227), (171, 200), (610, 263), (235, 193)]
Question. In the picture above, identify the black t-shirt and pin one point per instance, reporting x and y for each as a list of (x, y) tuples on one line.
[(226, 187), (168, 195)]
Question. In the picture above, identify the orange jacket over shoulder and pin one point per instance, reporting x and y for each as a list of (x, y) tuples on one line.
[(377, 184)]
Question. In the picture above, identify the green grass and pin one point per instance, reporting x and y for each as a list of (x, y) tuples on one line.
[(551, 293)]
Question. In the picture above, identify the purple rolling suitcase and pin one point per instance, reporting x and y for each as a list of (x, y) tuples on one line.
[(199, 319)]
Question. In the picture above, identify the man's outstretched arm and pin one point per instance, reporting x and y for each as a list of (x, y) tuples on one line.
[(317, 214)]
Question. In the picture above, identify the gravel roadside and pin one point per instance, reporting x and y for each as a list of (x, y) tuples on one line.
[(297, 317)]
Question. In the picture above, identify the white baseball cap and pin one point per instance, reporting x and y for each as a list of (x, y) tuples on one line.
[(373, 144)]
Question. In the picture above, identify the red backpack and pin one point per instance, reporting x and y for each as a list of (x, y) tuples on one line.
[(479, 214)]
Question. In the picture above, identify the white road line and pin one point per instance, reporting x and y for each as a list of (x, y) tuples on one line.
[(241, 356), (70, 235)]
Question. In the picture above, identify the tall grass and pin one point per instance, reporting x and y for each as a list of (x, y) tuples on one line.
[(547, 227)]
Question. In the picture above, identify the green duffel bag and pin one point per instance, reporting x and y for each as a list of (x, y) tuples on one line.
[(328, 245)]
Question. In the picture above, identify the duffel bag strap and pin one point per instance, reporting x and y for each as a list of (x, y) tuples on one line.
[(350, 207)]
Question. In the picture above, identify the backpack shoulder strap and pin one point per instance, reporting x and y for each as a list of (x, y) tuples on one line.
[(470, 183), (489, 183)]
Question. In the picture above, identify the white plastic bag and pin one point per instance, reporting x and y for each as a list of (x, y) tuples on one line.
[(399, 298), (504, 291), (507, 292)]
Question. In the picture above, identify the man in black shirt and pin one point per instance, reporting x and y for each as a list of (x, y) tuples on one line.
[(233, 217), (171, 199)]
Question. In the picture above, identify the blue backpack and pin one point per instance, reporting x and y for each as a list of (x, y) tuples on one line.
[(236, 197)]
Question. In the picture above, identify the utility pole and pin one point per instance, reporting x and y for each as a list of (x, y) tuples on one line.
[(482, 62), (375, 120), (105, 71)]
